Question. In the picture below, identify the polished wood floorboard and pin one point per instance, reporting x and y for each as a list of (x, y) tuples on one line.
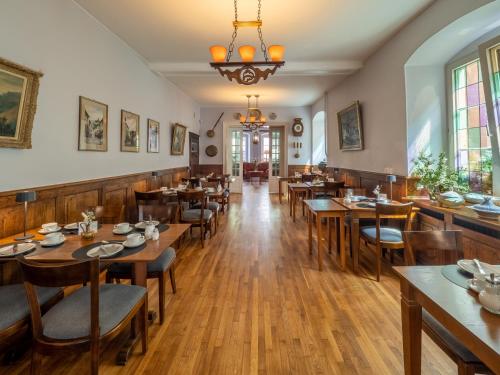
[(253, 302)]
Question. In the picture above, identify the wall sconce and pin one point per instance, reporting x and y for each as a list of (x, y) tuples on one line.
[(390, 179), (297, 146)]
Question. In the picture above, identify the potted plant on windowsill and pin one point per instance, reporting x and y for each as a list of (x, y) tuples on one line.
[(436, 176)]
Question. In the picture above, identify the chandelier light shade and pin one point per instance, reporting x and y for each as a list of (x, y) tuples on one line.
[(218, 53), (276, 52), (247, 71), (254, 119), (247, 53)]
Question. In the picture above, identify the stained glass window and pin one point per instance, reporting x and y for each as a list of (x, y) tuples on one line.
[(472, 141)]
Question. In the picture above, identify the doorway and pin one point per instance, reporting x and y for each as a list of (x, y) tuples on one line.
[(194, 153)]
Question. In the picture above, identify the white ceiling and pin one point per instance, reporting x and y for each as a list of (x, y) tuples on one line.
[(325, 40)]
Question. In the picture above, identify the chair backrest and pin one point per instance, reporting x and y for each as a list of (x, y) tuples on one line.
[(307, 178), (110, 214), (449, 243), (334, 187), (188, 198), (355, 191), (60, 275), (143, 199), (217, 180), (191, 181), (394, 211)]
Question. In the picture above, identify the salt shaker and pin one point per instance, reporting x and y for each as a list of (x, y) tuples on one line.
[(156, 235)]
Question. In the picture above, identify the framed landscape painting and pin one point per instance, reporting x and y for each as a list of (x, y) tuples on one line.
[(350, 128), (178, 139), (153, 136), (130, 132), (18, 95), (93, 125)]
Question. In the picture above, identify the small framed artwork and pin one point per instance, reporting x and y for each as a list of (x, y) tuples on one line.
[(93, 125), (18, 96), (153, 136), (350, 128), (178, 139), (130, 132)]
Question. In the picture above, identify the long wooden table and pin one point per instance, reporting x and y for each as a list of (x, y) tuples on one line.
[(294, 191), (456, 308), (326, 208), (280, 183), (138, 260)]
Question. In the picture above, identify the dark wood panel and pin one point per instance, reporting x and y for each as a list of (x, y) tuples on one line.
[(205, 169), (116, 197), (75, 204)]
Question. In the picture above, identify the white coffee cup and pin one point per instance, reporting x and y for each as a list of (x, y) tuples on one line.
[(135, 239), (122, 227), (54, 237), (49, 227)]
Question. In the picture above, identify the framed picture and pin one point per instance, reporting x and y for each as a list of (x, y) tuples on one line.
[(130, 131), (93, 125), (350, 128), (178, 139), (153, 136), (18, 95)]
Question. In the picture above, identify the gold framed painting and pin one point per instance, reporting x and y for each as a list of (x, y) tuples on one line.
[(350, 128), (93, 125), (18, 95), (178, 139), (130, 132), (153, 136)]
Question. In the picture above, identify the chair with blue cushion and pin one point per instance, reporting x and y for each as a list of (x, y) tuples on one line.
[(15, 311), (384, 237), (201, 217), (85, 319)]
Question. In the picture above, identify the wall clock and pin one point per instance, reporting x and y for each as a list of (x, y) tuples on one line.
[(297, 127)]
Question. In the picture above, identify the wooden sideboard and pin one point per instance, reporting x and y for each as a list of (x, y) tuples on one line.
[(65, 202)]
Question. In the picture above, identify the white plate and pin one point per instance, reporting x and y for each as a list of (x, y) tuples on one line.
[(469, 266), (357, 198), (126, 243), (142, 224), (8, 251), (45, 231), (44, 243), (105, 251), (71, 226), (130, 229)]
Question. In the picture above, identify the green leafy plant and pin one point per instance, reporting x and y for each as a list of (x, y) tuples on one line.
[(436, 176)]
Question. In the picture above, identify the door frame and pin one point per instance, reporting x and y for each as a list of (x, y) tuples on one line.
[(273, 180), (236, 181)]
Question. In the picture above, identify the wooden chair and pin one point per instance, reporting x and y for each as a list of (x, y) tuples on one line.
[(192, 182), (307, 178), (214, 204), (225, 183), (86, 318), (449, 246), (198, 217), (330, 190), (146, 201), (384, 237), (110, 214), (155, 270)]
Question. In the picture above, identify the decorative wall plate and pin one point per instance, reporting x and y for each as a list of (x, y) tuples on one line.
[(211, 150)]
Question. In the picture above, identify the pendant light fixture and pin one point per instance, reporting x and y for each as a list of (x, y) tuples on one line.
[(247, 71), (254, 119)]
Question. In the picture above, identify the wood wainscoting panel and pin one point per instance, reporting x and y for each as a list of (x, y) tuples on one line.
[(115, 197), (39, 212), (206, 169), (75, 204)]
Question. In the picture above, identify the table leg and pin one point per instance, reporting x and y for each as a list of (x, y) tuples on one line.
[(341, 236), (310, 225), (279, 190), (329, 229), (320, 235), (294, 200), (139, 270), (411, 318), (290, 201), (355, 243)]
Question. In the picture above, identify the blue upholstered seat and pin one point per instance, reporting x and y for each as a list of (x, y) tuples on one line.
[(161, 264), (386, 234), (14, 303), (195, 214), (214, 206), (70, 318)]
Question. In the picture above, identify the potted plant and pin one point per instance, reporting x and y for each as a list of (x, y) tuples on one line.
[(436, 176)]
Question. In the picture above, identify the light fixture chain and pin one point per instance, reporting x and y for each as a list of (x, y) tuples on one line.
[(236, 10), (259, 31), (235, 33)]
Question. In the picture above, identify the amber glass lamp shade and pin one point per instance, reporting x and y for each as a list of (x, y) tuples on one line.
[(276, 52), (218, 53), (246, 53)]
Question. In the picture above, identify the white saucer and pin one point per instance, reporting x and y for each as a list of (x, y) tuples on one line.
[(126, 244), (44, 231), (71, 226), (130, 229), (142, 224), (44, 243), (8, 251), (105, 251)]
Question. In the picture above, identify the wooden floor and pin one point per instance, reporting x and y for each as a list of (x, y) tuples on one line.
[(253, 301)]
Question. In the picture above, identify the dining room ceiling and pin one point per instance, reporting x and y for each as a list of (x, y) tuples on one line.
[(325, 41)]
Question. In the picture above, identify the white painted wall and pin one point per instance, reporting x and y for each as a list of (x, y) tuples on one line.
[(380, 87), (318, 138), (285, 115), (79, 56)]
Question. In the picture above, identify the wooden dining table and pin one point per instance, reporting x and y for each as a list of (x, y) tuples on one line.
[(139, 260), (357, 211), (456, 308), (294, 191)]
